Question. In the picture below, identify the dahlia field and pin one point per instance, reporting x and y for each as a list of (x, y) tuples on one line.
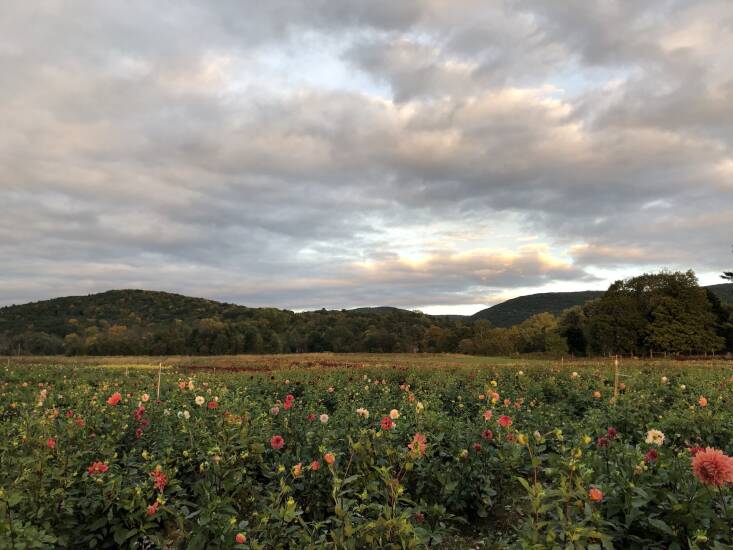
[(355, 452)]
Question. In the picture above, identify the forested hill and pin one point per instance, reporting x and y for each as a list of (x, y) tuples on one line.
[(517, 310), (139, 322), (58, 315), (161, 323), (723, 291)]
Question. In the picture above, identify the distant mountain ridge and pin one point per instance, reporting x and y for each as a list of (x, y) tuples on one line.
[(521, 308), (131, 307), (115, 307), (377, 309), (724, 291), (516, 310), (142, 322)]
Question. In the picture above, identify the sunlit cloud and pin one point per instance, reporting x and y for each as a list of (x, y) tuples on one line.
[(339, 154)]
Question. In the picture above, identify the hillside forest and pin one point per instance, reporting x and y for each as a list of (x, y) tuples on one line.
[(667, 312)]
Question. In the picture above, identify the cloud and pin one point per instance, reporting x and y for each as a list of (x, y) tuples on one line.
[(348, 153)]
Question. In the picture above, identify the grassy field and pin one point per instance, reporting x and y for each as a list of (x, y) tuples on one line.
[(354, 451), (270, 362), (350, 360)]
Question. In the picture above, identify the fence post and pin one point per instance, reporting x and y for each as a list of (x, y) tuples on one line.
[(160, 368)]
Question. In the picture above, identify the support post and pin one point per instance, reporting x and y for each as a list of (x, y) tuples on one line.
[(160, 369)]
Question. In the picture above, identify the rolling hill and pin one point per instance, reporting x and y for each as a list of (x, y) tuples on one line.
[(724, 291), (123, 322), (518, 309), (114, 307), (378, 310), (142, 322)]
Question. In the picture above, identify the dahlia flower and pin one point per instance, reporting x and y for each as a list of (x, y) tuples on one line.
[(713, 467), (655, 437)]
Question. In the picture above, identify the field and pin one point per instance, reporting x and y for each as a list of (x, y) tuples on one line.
[(364, 451)]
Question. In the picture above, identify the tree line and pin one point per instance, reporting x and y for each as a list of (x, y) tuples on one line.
[(665, 312)]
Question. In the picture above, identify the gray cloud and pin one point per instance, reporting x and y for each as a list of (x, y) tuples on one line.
[(303, 154)]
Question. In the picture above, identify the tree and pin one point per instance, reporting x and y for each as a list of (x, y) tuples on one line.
[(664, 311), (491, 341), (679, 326), (682, 320), (466, 346), (615, 324), (498, 342), (539, 334), (6, 345), (39, 343), (436, 339), (723, 318), (572, 326)]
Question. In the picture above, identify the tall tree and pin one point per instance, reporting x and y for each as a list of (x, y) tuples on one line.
[(615, 322), (571, 326), (661, 312), (539, 333)]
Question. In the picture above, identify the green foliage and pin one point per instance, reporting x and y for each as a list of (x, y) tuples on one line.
[(514, 311), (629, 318), (572, 326), (539, 333), (666, 312), (527, 485), (136, 322)]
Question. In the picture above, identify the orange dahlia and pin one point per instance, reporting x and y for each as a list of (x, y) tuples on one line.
[(713, 467)]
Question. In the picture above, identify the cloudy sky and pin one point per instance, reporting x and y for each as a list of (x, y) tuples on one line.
[(434, 154)]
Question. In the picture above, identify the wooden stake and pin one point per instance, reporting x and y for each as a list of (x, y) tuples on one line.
[(615, 378), (160, 369)]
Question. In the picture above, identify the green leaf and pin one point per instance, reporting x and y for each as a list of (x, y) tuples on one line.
[(661, 526)]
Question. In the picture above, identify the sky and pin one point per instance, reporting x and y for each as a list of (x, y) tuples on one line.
[(433, 155)]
